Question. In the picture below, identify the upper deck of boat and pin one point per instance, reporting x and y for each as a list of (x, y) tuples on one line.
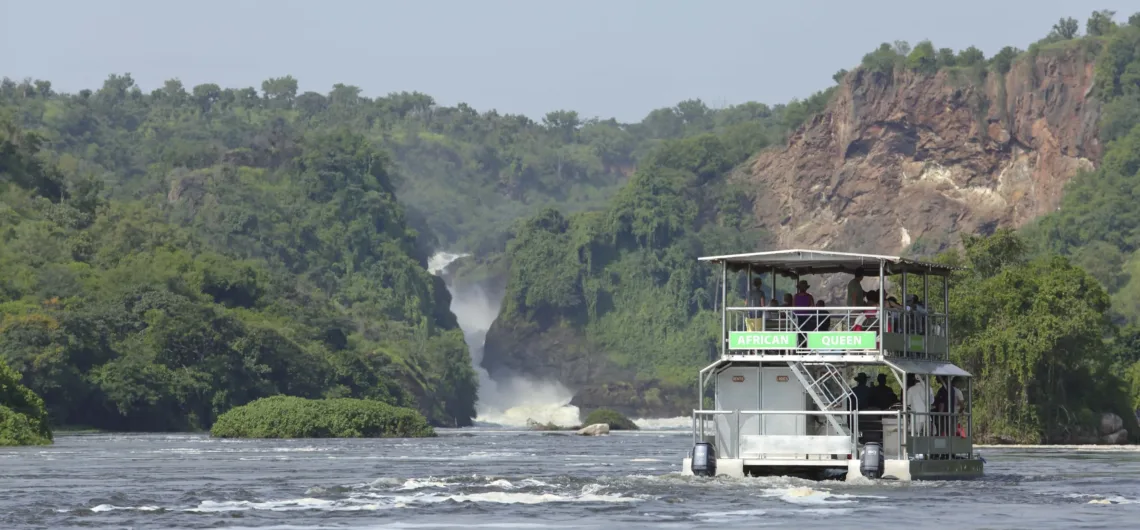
[(876, 332)]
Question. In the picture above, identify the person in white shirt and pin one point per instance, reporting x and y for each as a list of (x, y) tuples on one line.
[(918, 400)]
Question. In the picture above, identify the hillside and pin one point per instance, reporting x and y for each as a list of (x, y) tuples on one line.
[(916, 150), (293, 275), (172, 254)]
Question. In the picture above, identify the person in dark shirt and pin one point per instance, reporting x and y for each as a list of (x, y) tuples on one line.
[(862, 391), (882, 396), (861, 400), (947, 399)]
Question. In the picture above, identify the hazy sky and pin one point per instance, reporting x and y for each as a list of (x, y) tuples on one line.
[(605, 58)]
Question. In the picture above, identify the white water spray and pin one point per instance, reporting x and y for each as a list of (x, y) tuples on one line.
[(513, 401)]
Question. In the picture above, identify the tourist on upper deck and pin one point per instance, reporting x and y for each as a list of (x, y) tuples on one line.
[(804, 318), (802, 297), (822, 320), (918, 320), (890, 303), (855, 290), (866, 320), (756, 297)]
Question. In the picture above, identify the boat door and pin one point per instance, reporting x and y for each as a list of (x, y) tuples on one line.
[(737, 388)]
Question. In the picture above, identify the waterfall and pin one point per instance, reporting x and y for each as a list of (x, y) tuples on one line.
[(513, 401)]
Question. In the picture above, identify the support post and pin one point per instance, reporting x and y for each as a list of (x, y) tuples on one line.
[(905, 328), (723, 308), (969, 408), (880, 312), (736, 443)]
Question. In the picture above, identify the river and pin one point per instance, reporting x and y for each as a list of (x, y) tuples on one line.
[(488, 478)]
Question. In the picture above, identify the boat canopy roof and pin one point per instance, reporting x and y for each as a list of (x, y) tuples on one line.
[(921, 367), (806, 262)]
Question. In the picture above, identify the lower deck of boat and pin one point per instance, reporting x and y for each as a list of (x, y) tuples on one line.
[(893, 469)]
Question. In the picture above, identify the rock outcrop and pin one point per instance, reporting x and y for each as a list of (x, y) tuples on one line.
[(913, 159), (596, 429), (1112, 429)]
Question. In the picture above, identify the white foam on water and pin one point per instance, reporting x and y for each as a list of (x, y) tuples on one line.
[(110, 507), (680, 423), (415, 484), (401, 525), (729, 517), (810, 496), (1097, 498)]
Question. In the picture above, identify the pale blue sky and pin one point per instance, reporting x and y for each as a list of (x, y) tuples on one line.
[(618, 58)]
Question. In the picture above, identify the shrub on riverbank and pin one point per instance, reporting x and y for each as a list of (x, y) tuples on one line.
[(612, 418), (23, 420), (294, 417)]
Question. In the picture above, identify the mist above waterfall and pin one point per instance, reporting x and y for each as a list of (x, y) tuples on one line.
[(514, 400)]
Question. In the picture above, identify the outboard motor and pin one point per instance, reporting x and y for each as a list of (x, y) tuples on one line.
[(703, 458), (871, 466)]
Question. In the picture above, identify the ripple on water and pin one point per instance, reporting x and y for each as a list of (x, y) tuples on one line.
[(518, 479)]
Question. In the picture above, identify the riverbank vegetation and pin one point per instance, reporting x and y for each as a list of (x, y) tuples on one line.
[(294, 417), (23, 420)]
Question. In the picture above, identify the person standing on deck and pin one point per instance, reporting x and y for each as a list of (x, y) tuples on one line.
[(803, 317), (861, 397), (855, 290), (947, 424), (855, 297), (882, 396), (756, 298), (918, 399)]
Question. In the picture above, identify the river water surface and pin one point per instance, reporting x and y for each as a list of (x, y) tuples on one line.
[(488, 478)]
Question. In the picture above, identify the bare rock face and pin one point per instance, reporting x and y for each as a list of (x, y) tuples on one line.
[(909, 158)]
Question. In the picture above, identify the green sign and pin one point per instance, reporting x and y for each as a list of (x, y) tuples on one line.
[(761, 340), (915, 343), (841, 340)]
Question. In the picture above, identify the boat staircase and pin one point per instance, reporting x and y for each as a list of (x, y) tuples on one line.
[(827, 387)]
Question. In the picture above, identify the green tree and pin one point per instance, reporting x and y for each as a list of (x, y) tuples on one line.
[(970, 57), (1100, 23), (923, 58), (1032, 330), (1066, 28)]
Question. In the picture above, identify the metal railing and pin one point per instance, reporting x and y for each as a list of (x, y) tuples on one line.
[(931, 435), (924, 334), (789, 330)]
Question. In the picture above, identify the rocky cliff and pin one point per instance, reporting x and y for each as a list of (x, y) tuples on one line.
[(910, 159)]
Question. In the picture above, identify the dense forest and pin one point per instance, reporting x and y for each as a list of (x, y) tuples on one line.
[(170, 255), (1051, 353)]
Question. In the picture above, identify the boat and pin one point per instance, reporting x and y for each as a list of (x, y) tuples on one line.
[(781, 388)]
